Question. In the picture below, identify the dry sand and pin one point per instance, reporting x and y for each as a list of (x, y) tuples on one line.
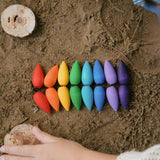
[(84, 30)]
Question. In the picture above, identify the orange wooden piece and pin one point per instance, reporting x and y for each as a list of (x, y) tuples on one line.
[(53, 98), (38, 77), (51, 77)]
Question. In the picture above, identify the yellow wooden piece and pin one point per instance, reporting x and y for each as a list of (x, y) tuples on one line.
[(64, 97), (63, 74)]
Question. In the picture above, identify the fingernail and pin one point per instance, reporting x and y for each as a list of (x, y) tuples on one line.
[(1, 158), (2, 149)]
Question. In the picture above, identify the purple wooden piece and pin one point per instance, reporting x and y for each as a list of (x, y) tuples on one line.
[(110, 73), (123, 76), (124, 95), (113, 98)]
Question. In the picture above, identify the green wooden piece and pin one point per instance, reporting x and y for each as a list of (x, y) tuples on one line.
[(75, 94), (75, 74)]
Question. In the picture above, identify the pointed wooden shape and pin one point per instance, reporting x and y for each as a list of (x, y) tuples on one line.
[(124, 95), (98, 73), (38, 77), (113, 98), (51, 77), (99, 97), (87, 74), (64, 97), (110, 73), (75, 94), (75, 73), (63, 74), (123, 75), (42, 102), (87, 96), (53, 98)]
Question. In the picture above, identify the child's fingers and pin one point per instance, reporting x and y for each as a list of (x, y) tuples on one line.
[(43, 136), (23, 150), (9, 157)]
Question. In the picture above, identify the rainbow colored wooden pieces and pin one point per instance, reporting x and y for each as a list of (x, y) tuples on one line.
[(51, 77), (110, 73), (124, 95), (99, 97), (113, 98), (53, 98), (76, 98), (42, 102), (75, 73), (63, 74), (87, 74), (87, 96), (123, 75), (98, 73), (38, 77), (64, 97)]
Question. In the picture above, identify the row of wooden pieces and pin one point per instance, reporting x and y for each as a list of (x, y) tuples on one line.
[(87, 94), (87, 76)]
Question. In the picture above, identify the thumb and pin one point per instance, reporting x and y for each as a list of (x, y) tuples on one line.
[(44, 137)]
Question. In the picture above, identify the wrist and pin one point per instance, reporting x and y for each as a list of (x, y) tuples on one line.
[(93, 155)]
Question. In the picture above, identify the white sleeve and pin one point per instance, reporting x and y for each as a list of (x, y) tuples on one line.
[(152, 153)]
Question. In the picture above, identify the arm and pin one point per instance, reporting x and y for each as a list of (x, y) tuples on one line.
[(92, 155), (52, 148)]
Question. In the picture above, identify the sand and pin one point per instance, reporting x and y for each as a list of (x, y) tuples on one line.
[(85, 30)]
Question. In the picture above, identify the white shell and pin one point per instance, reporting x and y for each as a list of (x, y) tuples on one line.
[(21, 135), (18, 20)]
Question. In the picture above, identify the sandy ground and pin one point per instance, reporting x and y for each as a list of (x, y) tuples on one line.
[(83, 30)]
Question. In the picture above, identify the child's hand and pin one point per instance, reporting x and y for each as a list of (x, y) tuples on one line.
[(51, 148)]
